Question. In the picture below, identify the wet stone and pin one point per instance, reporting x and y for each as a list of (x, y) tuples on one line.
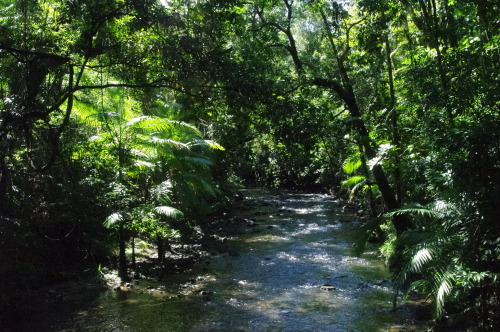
[(301, 276), (328, 287)]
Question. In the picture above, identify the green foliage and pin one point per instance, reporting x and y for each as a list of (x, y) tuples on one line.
[(168, 211), (116, 109), (351, 166)]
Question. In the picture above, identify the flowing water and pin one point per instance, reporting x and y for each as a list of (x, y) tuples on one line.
[(295, 271)]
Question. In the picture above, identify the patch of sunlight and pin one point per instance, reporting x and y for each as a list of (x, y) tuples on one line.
[(290, 257), (318, 306), (307, 210), (312, 228), (268, 238), (247, 283)]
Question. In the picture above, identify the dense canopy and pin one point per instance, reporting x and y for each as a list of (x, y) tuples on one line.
[(138, 118)]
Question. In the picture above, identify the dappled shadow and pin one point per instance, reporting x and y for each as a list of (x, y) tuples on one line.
[(292, 270)]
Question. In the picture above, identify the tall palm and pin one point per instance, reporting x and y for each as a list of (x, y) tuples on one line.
[(146, 152)]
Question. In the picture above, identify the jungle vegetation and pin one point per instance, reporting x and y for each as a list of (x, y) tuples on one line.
[(138, 118)]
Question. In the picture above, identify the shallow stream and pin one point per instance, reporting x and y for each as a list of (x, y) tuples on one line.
[(293, 270)]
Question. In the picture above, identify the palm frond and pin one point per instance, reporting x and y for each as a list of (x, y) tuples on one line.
[(137, 120), (162, 191), (83, 114), (351, 165), (162, 142), (420, 258), (208, 188), (184, 125), (113, 219), (139, 153), (150, 124), (200, 161), (168, 211), (353, 180), (366, 231), (416, 208), (443, 287), (141, 164), (214, 145), (413, 238)]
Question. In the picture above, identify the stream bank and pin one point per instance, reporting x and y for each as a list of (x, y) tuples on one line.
[(293, 269)]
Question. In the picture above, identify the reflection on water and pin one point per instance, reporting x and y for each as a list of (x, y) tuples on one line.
[(274, 283)]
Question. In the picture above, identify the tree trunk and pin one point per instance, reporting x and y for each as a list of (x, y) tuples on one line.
[(394, 116), (346, 92), (161, 257), (122, 258), (401, 222), (132, 243), (4, 186), (161, 251), (366, 171)]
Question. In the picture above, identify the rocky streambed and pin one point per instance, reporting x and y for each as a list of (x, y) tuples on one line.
[(292, 269)]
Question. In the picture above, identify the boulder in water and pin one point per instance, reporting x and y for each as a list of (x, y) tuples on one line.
[(328, 287)]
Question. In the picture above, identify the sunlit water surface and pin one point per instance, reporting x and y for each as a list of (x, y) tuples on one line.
[(270, 281)]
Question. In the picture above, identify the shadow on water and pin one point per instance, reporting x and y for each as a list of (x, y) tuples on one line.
[(292, 271)]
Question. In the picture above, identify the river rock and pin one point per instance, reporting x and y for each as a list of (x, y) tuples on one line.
[(328, 287), (250, 223)]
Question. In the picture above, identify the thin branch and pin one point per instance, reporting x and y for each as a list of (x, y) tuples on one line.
[(334, 85), (37, 54), (134, 86)]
